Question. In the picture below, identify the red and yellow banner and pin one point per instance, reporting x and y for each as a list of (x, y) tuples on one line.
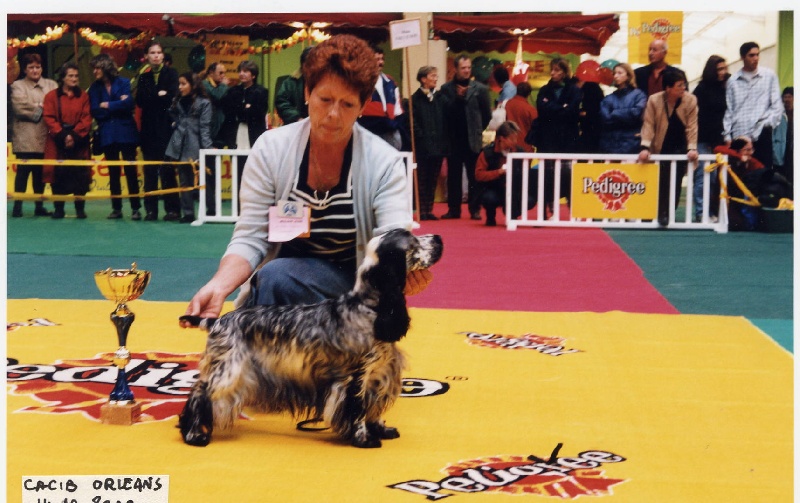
[(614, 191), (644, 27)]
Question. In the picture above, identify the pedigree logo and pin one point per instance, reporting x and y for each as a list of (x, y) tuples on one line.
[(160, 382), (552, 346), (660, 29), (613, 188), (557, 477)]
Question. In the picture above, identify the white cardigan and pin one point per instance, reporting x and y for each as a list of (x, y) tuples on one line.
[(379, 189)]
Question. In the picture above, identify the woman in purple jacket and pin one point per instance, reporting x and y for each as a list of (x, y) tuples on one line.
[(112, 108)]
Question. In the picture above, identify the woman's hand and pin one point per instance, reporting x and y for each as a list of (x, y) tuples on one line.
[(644, 155), (417, 281), (206, 303)]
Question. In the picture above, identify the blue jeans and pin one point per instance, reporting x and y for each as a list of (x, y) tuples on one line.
[(697, 192), (288, 281)]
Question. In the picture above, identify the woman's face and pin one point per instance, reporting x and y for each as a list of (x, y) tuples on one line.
[(71, 79), (245, 78), (506, 144), (155, 55), (98, 73), (333, 107), (557, 74), (620, 77), (33, 72), (429, 81), (676, 91), (722, 70), (184, 86)]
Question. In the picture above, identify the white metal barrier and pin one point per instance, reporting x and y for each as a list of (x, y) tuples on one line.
[(540, 220), (235, 154)]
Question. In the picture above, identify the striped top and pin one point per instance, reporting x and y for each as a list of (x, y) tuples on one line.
[(333, 226)]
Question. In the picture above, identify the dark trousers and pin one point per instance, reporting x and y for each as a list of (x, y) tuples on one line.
[(71, 180), (428, 169), (127, 151), (166, 174), (26, 170), (550, 182), (211, 184), (762, 148), (663, 187), (466, 159)]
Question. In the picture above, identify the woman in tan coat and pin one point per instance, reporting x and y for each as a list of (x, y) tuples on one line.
[(670, 127)]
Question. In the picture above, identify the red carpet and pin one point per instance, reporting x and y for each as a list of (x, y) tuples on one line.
[(560, 270)]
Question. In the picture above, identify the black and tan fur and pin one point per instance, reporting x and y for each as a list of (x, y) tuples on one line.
[(336, 359)]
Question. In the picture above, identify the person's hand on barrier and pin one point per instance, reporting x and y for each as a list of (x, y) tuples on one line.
[(692, 155), (644, 155), (417, 281)]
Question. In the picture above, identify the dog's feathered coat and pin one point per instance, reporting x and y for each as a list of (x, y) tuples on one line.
[(336, 359)]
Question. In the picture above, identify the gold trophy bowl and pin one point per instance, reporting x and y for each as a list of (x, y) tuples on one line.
[(121, 286)]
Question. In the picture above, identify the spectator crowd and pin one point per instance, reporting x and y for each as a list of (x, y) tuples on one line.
[(650, 111)]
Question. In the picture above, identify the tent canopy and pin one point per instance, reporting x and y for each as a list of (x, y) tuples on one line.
[(373, 27), (561, 33)]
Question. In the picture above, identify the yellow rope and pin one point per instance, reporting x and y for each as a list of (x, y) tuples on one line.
[(724, 166), (75, 162)]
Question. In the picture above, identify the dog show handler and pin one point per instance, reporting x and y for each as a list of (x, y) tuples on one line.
[(350, 182)]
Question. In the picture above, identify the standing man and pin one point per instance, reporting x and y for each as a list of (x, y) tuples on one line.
[(468, 112), (431, 139), (648, 78), (216, 87), (382, 112), (290, 100), (754, 104)]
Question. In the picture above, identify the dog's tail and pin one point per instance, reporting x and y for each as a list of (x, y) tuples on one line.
[(196, 321)]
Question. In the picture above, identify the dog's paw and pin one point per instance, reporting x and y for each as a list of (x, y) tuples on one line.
[(389, 433), (369, 442), (382, 431)]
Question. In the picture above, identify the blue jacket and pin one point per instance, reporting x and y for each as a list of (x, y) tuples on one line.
[(116, 122), (621, 114)]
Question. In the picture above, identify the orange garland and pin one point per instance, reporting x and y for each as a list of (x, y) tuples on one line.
[(50, 35), (95, 39)]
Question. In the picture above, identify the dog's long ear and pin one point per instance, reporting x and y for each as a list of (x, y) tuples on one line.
[(393, 321)]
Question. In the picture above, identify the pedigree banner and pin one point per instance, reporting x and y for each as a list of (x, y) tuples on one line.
[(614, 191), (644, 27)]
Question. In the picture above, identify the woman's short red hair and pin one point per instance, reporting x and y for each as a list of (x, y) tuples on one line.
[(349, 58)]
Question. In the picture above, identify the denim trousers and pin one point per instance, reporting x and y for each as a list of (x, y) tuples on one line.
[(290, 280)]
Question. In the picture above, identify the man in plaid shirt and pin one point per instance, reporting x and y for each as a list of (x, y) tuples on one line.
[(754, 104)]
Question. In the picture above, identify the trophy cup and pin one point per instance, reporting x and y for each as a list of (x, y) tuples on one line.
[(121, 286)]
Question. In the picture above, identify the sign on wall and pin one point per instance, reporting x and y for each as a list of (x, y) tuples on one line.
[(644, 27)]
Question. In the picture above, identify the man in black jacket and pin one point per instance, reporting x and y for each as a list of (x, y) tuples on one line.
[(469, 111), (648, 78)]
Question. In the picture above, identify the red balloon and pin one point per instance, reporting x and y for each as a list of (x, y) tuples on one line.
[(11, 52), (606, 75), (587, 71)]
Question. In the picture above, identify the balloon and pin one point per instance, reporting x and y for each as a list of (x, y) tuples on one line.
[(588, 70), (482, 68), (197, 59), (11, 52), (606, 75), (610, 64)]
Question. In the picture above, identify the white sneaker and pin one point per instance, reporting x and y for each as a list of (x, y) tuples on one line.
[(713, 219)]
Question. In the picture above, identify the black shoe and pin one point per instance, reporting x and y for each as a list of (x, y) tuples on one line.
[(80, 214), (450, 216), (663, 221), (150, 217), (114, 215), (136, 215), (187, 219), (428, 216), (476, 216), (41, 212), (16, 213), (491, 222), (57, 214), (171, 217)]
